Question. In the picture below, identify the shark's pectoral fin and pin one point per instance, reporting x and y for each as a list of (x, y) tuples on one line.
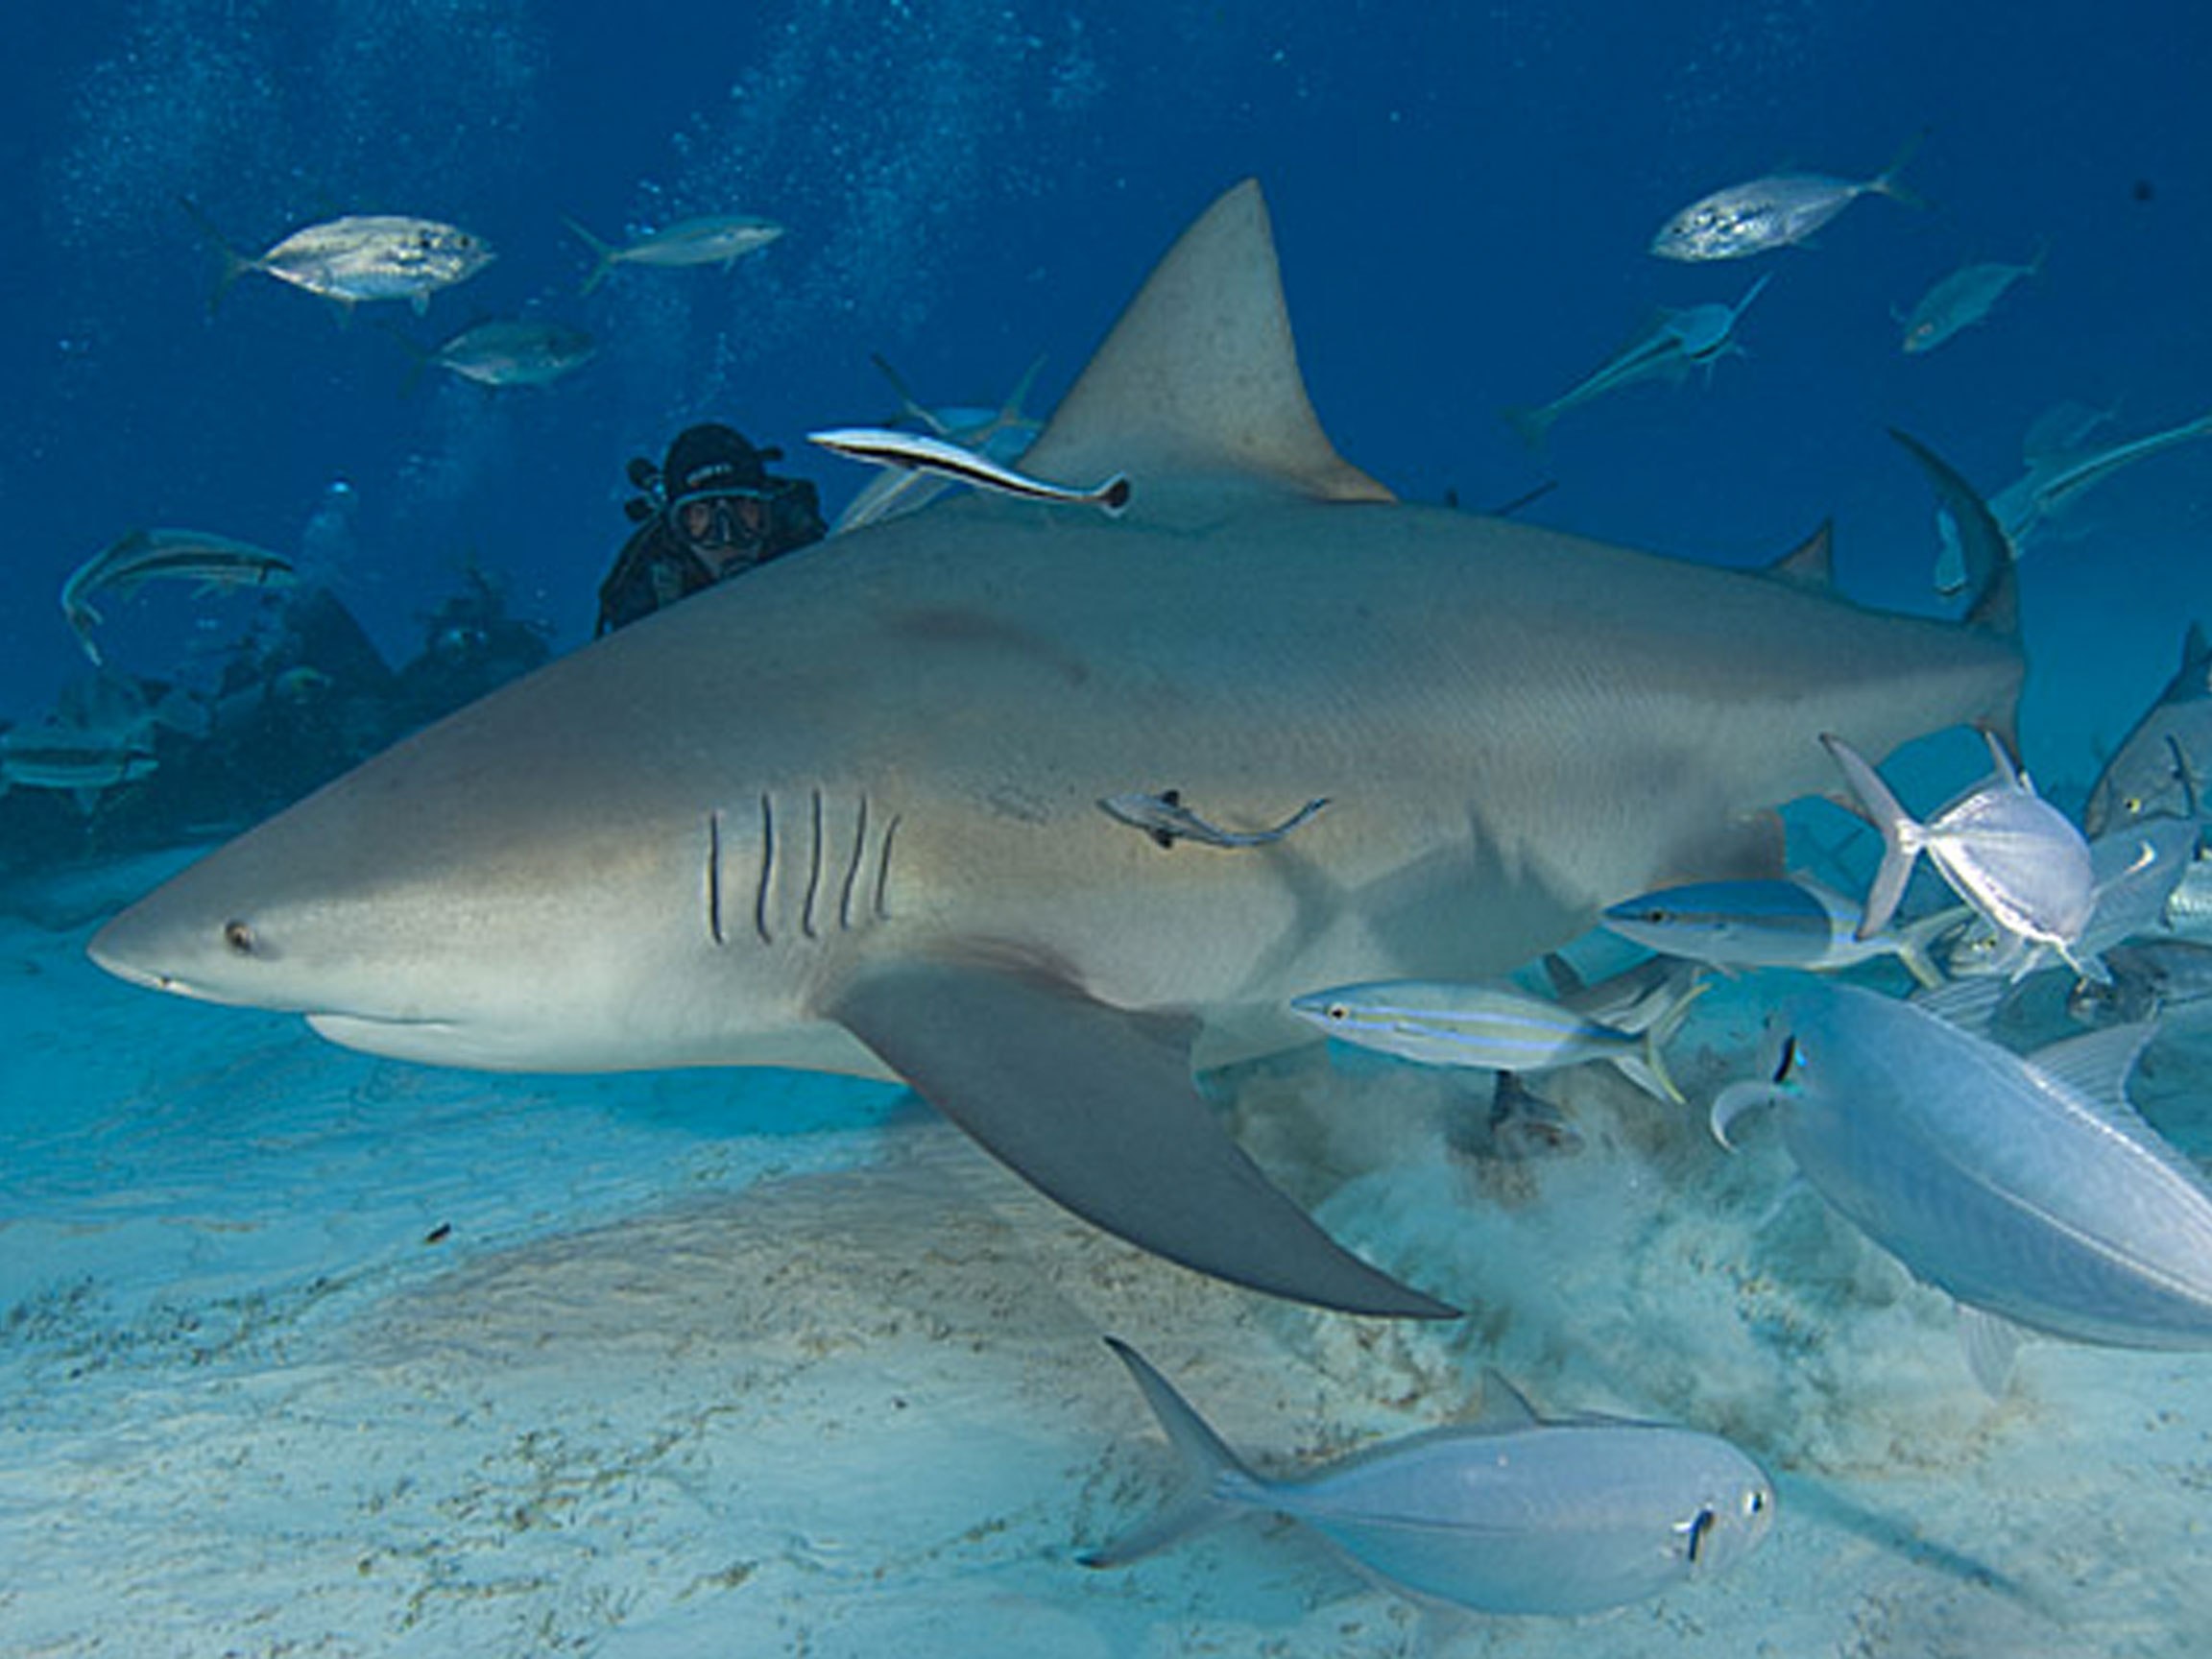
[(1091, 1106)]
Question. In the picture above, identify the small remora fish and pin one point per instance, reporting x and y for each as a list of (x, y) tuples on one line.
[(185, 555), (1167, 819), (1960, 301), (511, 351), (2158, 771), (1498, 1028), (709, 239), (2009, 854), (2027, 1188), (1002, 434), (887, 446), (77, 763), (1511, 1514), (360, 257), (1665, 349), (1779, 210), (1795, 922)]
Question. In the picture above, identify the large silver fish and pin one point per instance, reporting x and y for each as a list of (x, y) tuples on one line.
[(2159, 769), (513, 351), (709, 239), (2029, 1188), (1511, 1514), (894, 863), (1779, 210), (361, 258)]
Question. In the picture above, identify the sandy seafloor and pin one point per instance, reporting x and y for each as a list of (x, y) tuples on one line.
[(762, 1363)]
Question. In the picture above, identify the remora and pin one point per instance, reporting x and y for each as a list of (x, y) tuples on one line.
[(842, 814)]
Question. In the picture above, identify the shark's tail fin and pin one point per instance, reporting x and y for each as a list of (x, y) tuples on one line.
[(235, 263), (1901, 834), (1216, 1482), (605, 251)]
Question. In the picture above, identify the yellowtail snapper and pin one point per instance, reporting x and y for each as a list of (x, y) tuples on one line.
[(1511, 1514), (1964, 298), (710, 239)]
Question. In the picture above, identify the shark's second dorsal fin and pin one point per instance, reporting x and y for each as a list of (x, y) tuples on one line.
[(1811, 563), (1200, 375)]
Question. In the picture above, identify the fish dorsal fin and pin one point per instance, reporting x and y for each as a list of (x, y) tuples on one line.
[(2096, 1068), (1969, 1004), (1200, 375), (1505, 1408), (1811, 563), (2196, 677)]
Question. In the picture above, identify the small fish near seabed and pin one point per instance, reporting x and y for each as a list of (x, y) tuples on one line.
[(1779, 210), (1002, 434), (510, 351), (1508, 1514), (362, 257), (2062, 467), (102, 734), (1960, 301), (709, 239), (922, 451), (1500, 1028), (1665, 349), (2027, 1188), (2158, 769), (1795, 922), (2011, 855), (214, 562), (1167, 819)]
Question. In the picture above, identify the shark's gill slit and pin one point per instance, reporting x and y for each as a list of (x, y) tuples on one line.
[(813, 874), (882, 903), (767, 869), (714, 876), (852, 866)]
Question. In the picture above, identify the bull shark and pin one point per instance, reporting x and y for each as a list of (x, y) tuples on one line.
[(843, 814)]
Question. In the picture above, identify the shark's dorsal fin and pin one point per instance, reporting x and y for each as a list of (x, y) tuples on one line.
[(1200, 375), (1811, 563)]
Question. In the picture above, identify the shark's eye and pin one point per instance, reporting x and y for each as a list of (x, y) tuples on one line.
[(239, 936)]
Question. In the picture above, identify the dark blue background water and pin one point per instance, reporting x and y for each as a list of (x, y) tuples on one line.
[(1463, 194)]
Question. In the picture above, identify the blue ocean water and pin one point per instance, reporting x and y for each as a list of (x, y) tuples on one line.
[(1462, 196)]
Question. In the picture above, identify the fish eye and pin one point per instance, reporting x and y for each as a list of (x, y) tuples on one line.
[(1789, 1059), (239, 936), (1754, 1502), (2132, 805), (1338, 1012)]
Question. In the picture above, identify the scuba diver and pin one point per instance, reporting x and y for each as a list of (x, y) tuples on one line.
[(711, 512)]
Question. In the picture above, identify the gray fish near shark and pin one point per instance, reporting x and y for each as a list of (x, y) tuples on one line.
[(895, 864)]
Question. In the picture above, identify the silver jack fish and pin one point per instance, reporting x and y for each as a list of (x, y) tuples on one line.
[(1779, 210), (359, 257), (510, 351), (2029, 1188), (2158, 769), (710, 239), (2010, 854), (924, 452), (2136, 871), (1511, 1514)]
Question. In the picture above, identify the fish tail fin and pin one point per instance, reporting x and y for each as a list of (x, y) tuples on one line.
[(605, 252), (1533, 426), (235, 263), (1916, 939), (1887, 181), (1214, 1477), (1986, 553), (1647, 1067), (1901, 835)]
